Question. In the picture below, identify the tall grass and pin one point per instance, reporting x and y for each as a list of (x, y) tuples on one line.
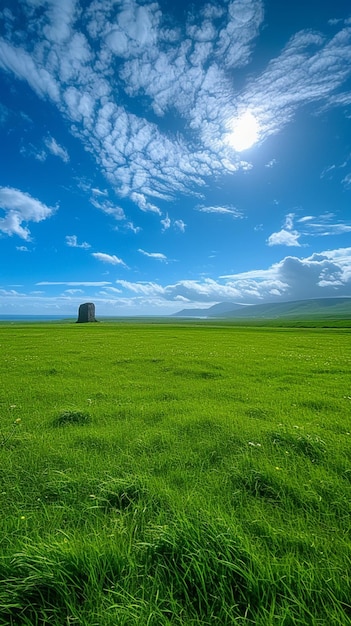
[(174, 474)]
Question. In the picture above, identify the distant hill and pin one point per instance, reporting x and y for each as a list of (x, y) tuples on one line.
[(217, 310), (317, 307)]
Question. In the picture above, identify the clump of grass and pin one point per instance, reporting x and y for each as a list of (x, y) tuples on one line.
[(122, 493), (71, 418), (202, 562), (58, 583), (310, 446), (6, 437)]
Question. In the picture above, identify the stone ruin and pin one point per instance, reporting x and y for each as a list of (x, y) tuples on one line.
[(86, 313)]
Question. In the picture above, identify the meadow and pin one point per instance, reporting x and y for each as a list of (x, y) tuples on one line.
[(174, 474)]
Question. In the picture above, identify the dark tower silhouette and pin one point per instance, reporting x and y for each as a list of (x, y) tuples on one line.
[(86, 313)]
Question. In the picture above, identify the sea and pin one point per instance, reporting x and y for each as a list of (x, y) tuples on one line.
[(35, 318)]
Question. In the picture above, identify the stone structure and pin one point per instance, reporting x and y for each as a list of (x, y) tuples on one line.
[(86, 313)]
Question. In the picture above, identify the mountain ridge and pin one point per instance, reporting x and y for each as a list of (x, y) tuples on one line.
[(340, 307)]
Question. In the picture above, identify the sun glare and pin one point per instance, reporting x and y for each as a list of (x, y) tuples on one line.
[(244, 132)]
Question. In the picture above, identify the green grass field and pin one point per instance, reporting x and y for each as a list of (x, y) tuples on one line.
[(174, 474)]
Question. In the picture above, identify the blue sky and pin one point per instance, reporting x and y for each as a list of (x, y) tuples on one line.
[(157, 156)]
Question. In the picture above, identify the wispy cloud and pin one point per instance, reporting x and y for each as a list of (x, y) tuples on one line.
[(299, 75), (10, 293), (112, 259), (110, 209), (134, 229), (324, 225), (180, 225), (75, 283), (21, 208), (310, 226), (99, 192), (145, 288), (166, 223), (30, 150), (177, 225), (271, 163), (221, 210), (56, 149), (153, 255), (287, 236), (72, 242)]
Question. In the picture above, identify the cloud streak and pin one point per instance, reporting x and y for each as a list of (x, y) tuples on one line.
[(309, 226), (158, 256), (112, 259), (221, 210)]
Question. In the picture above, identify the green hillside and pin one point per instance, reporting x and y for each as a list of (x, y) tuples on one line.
[(299, 309)]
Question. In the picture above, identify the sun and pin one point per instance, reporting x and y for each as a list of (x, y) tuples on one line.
[(244, 132)]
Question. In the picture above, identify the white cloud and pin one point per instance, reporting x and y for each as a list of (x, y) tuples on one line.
[(221, 210), (109, 208), (20, 63), (61, 17), (147, 289), (321, 275), (287, 236), (10, 293), (56, 149), (323, 225), (235, 40), (180, 225), (323, 229), (153, 255), (72, 241), (99, 192), (73, 292), (299, 75), (284, 238), (334, 21), (31, 151), (22, 248), (166, 222), (143, 204), (108, 258), (20, 208), (112, 290), (306, 218), (83, 283), (134, 229)]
